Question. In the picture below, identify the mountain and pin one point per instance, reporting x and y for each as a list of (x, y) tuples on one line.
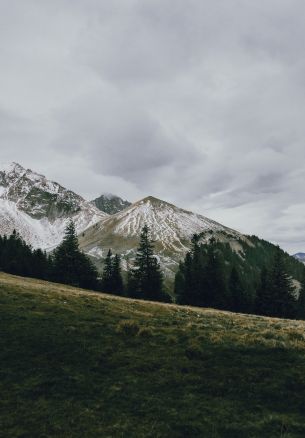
[(110, 204), (40, 209), (300, 256), (171, 228)]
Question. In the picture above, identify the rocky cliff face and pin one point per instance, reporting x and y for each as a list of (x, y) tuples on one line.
[(110, 204)]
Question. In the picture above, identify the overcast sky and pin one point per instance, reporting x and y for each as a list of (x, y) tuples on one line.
[(200, 103)]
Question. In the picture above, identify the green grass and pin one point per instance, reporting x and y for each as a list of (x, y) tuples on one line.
[(80, 364)]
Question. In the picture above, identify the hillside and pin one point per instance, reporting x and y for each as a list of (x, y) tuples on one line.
[(81, 364), (40, 209)]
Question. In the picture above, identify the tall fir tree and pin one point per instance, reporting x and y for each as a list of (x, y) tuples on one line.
[(216, 284), (264, 298), (112, 281), (70, 265), (107, 273), (236, 295), (117, 281), (301, 301), (146, 277), (281, 289)]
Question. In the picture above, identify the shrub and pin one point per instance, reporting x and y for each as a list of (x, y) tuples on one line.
[(128, 327)]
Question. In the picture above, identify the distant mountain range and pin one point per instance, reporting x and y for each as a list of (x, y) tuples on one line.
[(300, 256), (40, 209)]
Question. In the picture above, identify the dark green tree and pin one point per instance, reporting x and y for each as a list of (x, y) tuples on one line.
[(146, 277), (283, 303), (216, 285), (117, 281), (301, 301), (70, 265), (264, 299), (107, 273), (236, 293)]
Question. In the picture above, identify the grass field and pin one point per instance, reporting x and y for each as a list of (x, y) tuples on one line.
[(81, 364)]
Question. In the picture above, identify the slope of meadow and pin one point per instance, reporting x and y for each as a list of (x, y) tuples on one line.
[(81, 364)]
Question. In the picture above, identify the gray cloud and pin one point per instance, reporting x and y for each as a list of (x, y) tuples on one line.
[(200, 103)]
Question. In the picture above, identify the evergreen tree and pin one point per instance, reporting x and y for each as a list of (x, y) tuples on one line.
[(112, 281), (264, 299), (117, 280), (146, 277), (107, 273), (216, 285), (301, 301), (236, 292), (283, 303), (70, 265)]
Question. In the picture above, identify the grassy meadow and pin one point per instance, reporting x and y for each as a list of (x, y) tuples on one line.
[(79, 364)]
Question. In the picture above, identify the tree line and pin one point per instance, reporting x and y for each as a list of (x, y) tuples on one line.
[(211, 275), (206, 278), (68, 265)]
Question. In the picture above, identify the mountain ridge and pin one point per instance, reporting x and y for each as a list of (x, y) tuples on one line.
[(39, 209), (171, 229)]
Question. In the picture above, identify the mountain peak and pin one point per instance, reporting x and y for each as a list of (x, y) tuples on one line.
[(170, 227), (151, 199), (8, 167), (38, 208), (155, 202), (110, 204)]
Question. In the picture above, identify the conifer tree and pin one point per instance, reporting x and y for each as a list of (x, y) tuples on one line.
[(236, 292), (117, 280), (216, 285), (263, 300), (146, 276), (70, 265), (301, 301), (107, 273), (283, 303)]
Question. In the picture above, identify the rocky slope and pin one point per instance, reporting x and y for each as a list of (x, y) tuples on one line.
[(171, 228), (40, 209), (110, 204)]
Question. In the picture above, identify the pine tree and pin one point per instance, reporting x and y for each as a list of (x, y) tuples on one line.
[(70, 265), (107, 285), (301, 301), (196, 279), (236, 292), (117, 281), (283, 303), (216, 286), (263, 300), (146, 276)]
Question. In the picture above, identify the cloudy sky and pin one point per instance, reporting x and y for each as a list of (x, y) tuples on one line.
[(200, 103)]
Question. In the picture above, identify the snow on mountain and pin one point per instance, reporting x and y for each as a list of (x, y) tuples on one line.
[(300, 256), (171, 228), (40, 209), (110, 204)]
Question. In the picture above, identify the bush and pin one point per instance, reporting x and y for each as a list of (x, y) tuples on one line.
[(128, 327)]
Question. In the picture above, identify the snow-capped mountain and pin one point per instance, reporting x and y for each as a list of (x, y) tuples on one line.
[(40, 209), (171, 228), (110, 204), (300, 256)]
